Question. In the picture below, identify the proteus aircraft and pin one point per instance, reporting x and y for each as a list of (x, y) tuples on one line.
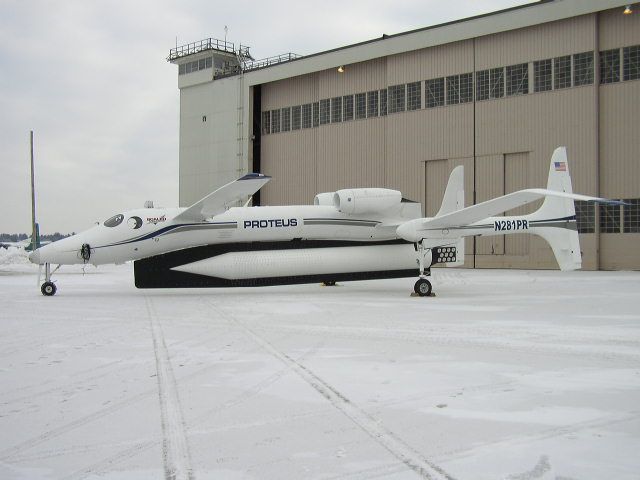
[(353, 234)]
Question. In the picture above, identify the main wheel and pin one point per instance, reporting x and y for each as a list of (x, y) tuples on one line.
[(48, 289), (422, 287), (329, 283)]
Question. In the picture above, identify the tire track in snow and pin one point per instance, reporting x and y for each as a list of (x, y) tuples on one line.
[(11, 452), (103, 465), (175, 448), (368, 424)]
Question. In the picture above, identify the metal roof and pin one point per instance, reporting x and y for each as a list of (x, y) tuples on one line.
[(521, 16)]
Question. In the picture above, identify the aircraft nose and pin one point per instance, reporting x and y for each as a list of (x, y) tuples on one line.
[(34, 257)]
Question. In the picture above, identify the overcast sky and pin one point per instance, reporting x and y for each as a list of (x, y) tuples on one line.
[(91, 79)]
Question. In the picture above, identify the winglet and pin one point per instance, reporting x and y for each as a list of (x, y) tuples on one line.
[(454, 193), (219, 200)]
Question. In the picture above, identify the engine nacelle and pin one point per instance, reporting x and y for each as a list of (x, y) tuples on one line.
[(366, 200), (324, 199)]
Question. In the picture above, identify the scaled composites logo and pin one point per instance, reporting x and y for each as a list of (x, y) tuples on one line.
[(273, 223), (157, 220)]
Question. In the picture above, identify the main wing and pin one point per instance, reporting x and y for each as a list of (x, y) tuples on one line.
[(219, 200)]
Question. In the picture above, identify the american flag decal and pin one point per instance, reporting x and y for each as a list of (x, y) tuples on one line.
[(560, 166)]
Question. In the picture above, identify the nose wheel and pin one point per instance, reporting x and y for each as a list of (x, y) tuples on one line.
[(48, 289)]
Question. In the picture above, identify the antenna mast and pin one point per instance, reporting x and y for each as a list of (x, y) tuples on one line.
[(34, 233)]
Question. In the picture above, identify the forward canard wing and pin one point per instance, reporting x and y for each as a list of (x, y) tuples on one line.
[(219, 200)]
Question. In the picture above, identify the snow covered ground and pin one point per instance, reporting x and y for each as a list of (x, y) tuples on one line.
[(504, 374)]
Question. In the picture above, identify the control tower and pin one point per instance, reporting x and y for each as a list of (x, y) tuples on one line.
[(219, 86), (212, 120)]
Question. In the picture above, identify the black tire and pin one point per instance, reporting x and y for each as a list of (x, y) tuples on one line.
[(329, 283), (422, 287), (48, 289)]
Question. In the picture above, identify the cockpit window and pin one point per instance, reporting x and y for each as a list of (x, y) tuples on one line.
[(114, 221), (135, 222)]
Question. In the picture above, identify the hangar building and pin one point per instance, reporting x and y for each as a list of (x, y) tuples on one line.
[(495, 93)]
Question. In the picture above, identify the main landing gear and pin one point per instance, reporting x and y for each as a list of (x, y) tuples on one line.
[(48, 288), (423, 286)]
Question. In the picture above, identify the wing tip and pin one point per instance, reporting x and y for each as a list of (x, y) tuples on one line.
[(255, 176)]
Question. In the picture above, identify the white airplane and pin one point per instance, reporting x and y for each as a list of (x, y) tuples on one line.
[(353, 234)]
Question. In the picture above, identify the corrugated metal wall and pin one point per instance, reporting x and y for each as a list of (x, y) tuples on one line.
[(511, 138)]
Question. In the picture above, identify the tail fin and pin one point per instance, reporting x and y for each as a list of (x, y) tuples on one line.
[(454, 200), (555, 220), (454, 194)]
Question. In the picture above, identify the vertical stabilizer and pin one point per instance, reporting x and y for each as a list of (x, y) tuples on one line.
[(454, 194), (454, 200), (555, 220)]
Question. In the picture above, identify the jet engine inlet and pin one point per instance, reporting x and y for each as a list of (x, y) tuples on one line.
[(85, 252)]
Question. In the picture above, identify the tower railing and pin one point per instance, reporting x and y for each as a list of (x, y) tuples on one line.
[(202, 45), (245, 61)]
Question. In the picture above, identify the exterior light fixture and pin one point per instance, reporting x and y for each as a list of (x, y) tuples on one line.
[(627, 10), (341, 69)]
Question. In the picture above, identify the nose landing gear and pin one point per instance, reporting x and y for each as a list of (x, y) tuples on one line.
[(48, 288)]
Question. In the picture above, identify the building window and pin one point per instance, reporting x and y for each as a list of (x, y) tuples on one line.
[(585, 216), (632, 215), (459, 89), (414, 96), (306, 116), (316, 114), (347, 108), (324, 111), (383, 102), (266, 123), (361, 106), (542, 76), (496, 83), (453, 90), (201, 64), (562, 72), (482, 85), (209, 62), (396, 99), (518, 79), (609, 218), (275, 121), (466, 87), (434, 92), (631, 63), (610, 66), (182, 69), (285, 115), (336, 110), (583, 69), (372, 104), (295, 118)]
